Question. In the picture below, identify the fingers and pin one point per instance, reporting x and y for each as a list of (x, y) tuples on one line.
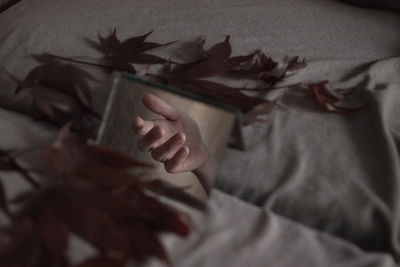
[(141, 126), (177, 162), (151, 140), (159, 106), (167, 150)]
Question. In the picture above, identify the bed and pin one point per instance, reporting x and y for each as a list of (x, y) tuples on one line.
[(312, 188)]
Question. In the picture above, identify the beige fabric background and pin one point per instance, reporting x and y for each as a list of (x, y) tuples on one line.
[(319, 189)]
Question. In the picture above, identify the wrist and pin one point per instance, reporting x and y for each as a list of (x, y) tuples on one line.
[(207, 171)]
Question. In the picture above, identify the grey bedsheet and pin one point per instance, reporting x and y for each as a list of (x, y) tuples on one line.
[(321, 189), (336, 173)]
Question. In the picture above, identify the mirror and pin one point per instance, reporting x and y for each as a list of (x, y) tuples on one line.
[(214, 119)]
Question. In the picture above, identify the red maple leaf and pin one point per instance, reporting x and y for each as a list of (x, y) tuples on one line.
[(59, 91), (330, 99), (271, 72), (121, 54), (88, 192)]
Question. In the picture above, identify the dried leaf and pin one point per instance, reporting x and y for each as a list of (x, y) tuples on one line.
[(21, 239), (264, 68), (219, 51), (122, 54), (216, 61), (65, 77), (227, 94), (237, 60), (208, 68), (329, 99), (52, 230), (261, 65), (124, 224), (110, 43), (59, 91)]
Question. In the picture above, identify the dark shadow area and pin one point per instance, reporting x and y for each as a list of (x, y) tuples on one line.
[(6, 4), (393, 5)]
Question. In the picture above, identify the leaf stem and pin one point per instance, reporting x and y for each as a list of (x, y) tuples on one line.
[(91, 64)]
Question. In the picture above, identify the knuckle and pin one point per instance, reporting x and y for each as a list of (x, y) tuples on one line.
[(171, 146), (156, 155), (169, 168)]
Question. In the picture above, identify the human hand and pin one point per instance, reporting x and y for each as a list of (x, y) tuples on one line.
[(174, 140)]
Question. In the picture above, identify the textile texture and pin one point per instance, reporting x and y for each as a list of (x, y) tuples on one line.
[(313, 188)]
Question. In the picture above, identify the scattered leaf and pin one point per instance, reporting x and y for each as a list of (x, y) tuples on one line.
[(215, 61), (121, 55), (265, 69), (92, 195), (330, 98), (59, 91)]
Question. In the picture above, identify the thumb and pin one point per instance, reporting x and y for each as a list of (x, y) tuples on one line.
[(159, 106)]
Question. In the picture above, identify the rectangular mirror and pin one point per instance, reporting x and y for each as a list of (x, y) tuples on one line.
[(214, 119)]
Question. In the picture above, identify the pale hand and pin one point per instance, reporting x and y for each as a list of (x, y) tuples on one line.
[(174, 140)]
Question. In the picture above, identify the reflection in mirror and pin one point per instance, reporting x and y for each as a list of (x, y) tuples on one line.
[(215, 121)]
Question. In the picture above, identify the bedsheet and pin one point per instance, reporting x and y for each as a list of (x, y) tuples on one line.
[(313, 189), (336, 173), (230, 233)]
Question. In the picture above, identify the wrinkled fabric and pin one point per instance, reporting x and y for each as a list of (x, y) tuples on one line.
[(312, 188), (336, 173)]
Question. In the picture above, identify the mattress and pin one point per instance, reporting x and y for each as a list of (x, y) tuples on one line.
[(313, 188)]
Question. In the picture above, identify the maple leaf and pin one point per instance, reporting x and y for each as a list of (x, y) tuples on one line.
[(215, 61), (67, 78), (126, 225), (92, 195), (265, 69), (330, 98), (121, 55), (21, 239), (59, 91)]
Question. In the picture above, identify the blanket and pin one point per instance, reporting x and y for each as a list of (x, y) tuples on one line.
[(313, 188)]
